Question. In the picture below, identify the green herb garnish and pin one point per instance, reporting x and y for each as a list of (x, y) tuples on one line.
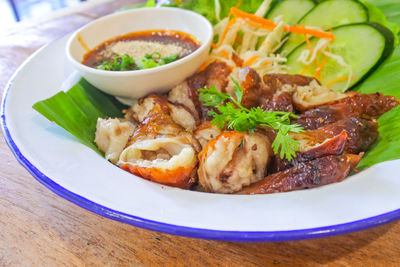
[(169, 59), (125, 62), (121, 63), (234, 116), (155, 60)]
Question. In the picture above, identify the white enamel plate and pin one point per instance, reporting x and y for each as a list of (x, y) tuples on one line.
[(78, 174)]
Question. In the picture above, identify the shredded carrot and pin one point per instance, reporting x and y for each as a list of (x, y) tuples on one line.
[(203, 67), (238, 4), (319, 69), (253, 18), (214, 46), (303, 30), (259, 22), (259, 26), (239, 40), (339, 80), (236, 32), (251, 60), (230, 23), (304, 69), (225, 53), (308, 43), (266, 64)]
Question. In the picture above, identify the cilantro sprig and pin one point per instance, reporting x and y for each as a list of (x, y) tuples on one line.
[(233, 115), (120, 63), (126, 63)]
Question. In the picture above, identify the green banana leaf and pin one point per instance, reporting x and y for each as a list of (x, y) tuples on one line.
[(385, 79), (78, 109)]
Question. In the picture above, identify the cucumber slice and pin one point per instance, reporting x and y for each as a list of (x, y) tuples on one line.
[(290, 10), (362, 45), (328, 13)]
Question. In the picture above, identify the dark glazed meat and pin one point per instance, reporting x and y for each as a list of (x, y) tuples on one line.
[(216, 74), (256, 94), (273, 98), (332, 146), (357, 105), (361, 134), (318, 172), (275, 82), (281, 102), (251, 86), (238, 61)]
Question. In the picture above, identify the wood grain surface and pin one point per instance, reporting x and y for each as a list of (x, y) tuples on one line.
[(38, 228)]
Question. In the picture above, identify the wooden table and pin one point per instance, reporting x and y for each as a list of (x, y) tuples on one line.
[(39, 228)]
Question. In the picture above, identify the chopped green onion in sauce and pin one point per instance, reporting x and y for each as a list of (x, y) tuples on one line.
[(141, 50)]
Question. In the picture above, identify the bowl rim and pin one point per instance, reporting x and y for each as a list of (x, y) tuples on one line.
[(203, 45)]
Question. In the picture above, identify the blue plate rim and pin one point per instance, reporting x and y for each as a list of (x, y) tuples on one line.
[(240, 236)]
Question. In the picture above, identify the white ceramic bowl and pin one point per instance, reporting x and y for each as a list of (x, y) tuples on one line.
[(138, 83)]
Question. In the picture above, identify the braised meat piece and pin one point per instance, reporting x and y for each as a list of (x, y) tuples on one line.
[(256, 94), (112, 136), (281, 102), (357, 105), (251, 85), (216, 74), (205, 132), (179, 113), (318, 172), (233, 160), (160, 149), (361, 134), (278, 90), (275, 82), (331, 146)]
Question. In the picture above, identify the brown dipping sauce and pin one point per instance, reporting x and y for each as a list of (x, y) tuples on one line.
[(101, 53)]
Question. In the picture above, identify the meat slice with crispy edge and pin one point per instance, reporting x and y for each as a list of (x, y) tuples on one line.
[(275, 82), (361, 134), (233, 160), (161, 150), (215, 74), (280, 102), (315, 173), (331, 146), (356, 105), (179, 113), (278, 89)]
